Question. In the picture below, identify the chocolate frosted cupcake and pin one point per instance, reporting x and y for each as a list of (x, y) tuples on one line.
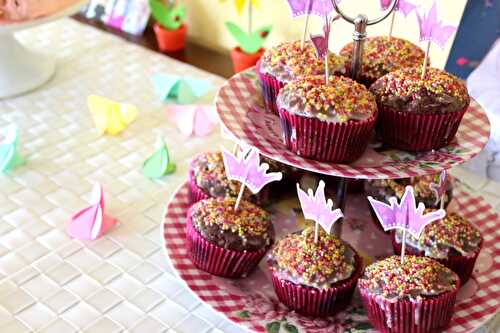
[(286, 62), (226, 242), (384, 54), (419, 114), (327, 122), (314, 279), (452, 241), (416, 296)]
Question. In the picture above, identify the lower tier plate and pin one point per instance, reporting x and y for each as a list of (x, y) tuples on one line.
[(251, 301)]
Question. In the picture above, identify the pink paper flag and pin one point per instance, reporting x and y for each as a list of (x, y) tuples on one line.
[(308, 7), (431, 29), (440, 188), (404, 215), (315, 207), (321, 42), (91, 222), (193, 120), (403, 6), (248, 170)]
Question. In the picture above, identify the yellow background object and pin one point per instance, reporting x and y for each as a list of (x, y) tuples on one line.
[(110, 117), (206, 23)]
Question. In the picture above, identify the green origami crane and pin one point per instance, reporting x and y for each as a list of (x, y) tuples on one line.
[(249, 42), (159, 164), (9, 158), (170, 17)]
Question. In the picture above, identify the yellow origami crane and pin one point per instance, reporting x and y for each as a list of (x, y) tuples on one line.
[(110, 117), (240, 4)]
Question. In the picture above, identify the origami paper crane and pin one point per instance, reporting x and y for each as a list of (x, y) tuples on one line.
[(159, 164), (439, 189), (109, 116), (91, 222), (433, 30), (9, 158), (193, 120), (177, 89), (405, 215), (240, 4), (315, 207), (308, 7), (321, 42), (403, 6), (248, 170)]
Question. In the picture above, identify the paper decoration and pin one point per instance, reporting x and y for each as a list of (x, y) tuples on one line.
[(178, 89), (315, 207), (433, 30), (193, 120), (159, 164), (310, 7), (249, 42), (240, 4), (321, 42), (171, 17), (439, 189), (91, 222), (9, 158), (403, 6), (110, 117)]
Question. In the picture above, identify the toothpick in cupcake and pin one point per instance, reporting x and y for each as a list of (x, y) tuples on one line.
[(315, 207), (321, 44), (406, 215), (247, 169)]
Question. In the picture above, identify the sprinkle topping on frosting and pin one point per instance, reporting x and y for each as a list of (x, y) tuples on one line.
[(383, 54), (340, 100), (300, 260), (417, 277), (288, 61), (454, 232)]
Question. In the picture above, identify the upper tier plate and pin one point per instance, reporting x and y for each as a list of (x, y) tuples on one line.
[(241, 109)]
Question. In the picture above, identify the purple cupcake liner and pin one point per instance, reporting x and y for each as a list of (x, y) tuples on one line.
[(217, 260), (317, 302), (270, 87)]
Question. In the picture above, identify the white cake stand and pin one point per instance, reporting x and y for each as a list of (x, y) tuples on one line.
[(22, 70)]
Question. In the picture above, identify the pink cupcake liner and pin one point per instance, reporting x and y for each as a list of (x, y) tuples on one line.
[(217, 260), (463, 266), (417, 132), (270, 87), (317, 302), (326, 141), (428, 316)]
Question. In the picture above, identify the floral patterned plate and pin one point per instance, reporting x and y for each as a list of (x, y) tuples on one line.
[(251, 301)]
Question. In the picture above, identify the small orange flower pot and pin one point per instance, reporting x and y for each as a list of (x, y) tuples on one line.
[(242, 60), (170, 40)]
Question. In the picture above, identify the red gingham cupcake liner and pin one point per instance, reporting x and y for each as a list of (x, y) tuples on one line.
[(417, 132), (217, 260), (461, 265), (317, 302), (326, 141), (270, 87), (431, 315)]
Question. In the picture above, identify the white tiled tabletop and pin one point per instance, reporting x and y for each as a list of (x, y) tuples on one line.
[(121, 282)]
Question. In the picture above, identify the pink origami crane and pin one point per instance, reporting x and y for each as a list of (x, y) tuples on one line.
[(433, 30), (91, 222), (315, 207), (403, 6), (321, 42), (193, 120), (440, 188), (248, 170), (406, 215), (308, 7)]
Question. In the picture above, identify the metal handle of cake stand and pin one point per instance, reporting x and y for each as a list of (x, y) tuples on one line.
[(360, 23)]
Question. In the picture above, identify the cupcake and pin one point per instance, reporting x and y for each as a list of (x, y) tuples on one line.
[(314, 279), (452, 241), (417, 296), (419, 115), (327, 122), (384, 54), (286, 62), (225, 242)]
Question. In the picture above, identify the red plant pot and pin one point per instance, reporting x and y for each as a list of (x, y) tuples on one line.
[(170, 40), (242, 60)]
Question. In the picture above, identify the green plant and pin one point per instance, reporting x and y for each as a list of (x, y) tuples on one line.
[(170, 17), (249, 42)]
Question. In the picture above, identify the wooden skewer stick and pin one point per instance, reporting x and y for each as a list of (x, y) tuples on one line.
[(426, 60), (306, 26)]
